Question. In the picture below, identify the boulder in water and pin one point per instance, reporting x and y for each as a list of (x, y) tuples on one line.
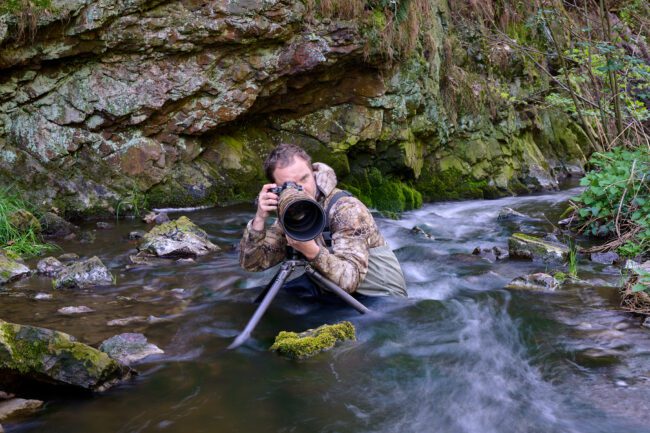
[(309, 343), (49, 266), (10, 268), (537, 282), (32, 356), (83, 274), (177, 239), (522, 246), (56, 227), (129, 347)]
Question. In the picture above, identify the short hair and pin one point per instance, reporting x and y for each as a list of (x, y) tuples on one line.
[(282, 156)]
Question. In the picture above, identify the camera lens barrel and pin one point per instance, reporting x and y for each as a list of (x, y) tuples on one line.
[(301, 217)]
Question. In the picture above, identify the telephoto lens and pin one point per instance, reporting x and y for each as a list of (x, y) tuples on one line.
[(301, 217)]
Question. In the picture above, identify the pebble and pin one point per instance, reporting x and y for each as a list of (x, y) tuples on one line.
[(646, 323), (68, 256), (102, 225), (42, 296), (621, 383)]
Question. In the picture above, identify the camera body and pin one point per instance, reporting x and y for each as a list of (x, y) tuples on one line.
[(279, 189)]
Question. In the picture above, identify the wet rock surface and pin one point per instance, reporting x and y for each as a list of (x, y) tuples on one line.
[(180, 238), (128, 348), (523, 246), (83, 274), (10, 268), (48, 357), (313, 341), (537, 282)]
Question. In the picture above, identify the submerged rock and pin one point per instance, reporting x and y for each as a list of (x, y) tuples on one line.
[(56, 227), (29, 354), (509, 214), (528, 247), (129, 347), (539, 281), (68, 311), (17, 407), (157, 218), (10, 268), (84, 274), (309, 343), (177, 239)]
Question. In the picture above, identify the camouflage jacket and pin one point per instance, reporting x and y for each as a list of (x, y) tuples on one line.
[(354, 233)]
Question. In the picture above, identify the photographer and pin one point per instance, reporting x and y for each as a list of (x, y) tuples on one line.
[(359, 259)]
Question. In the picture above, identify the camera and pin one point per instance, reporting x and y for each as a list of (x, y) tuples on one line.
[(301, 217)]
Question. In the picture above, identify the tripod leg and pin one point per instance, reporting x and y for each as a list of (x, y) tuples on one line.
[(278, 281), (337, 290)]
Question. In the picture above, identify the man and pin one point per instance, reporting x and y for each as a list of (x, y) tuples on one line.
[(359, 260)]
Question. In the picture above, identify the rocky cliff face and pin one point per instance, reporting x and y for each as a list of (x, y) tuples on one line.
[(105, 103)]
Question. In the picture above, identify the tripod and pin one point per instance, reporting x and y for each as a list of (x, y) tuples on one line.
[(294, 261)]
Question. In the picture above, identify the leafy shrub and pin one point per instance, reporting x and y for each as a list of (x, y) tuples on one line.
[(616, 202)]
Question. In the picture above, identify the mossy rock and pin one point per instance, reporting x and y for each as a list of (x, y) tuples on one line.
[(178, 238), (308, 343), (40, 355), (523, 246), (10, 269)]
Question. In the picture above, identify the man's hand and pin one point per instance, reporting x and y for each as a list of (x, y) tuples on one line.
[(267, 202), (308, 249)]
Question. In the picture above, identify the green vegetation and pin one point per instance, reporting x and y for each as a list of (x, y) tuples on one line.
[(133, 204), (306, 344), (392, 29), (19, 229), (387, 195), (573, 259), (25, 14), (616, 203)]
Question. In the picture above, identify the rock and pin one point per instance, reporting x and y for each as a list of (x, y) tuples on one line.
[(6, 395), (56, 227), (177, 239), (24, 221), (309, 343), (509, 214), (491, 254), (10, 268), (158, 218), (136, 234), (539, 281), (75, 310), (84, 274), (102, 225), (17, 407), (87, 237), (129, 347), (424, 230), (40, 356), (67, 257), (127, 320), (40, 296), (147, 259), (49, 266), (607, 258), (646, 323), (522, 246), (597, 357)]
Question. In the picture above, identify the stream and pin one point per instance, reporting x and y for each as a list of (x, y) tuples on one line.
[(461, 354)]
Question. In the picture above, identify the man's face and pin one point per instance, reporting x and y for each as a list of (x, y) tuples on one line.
[(300, 172)]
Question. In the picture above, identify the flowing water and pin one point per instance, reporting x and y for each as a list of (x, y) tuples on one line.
[(462, 354)]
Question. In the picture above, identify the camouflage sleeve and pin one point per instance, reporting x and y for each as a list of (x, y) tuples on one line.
[(259, 250), (351, 227)]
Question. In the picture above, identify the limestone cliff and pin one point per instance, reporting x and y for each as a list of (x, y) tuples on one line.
[(107, 102)]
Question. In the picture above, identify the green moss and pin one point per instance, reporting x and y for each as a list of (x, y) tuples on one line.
[(26, 352), (452, 185), (387, 195), (560, 276), (306, 344)]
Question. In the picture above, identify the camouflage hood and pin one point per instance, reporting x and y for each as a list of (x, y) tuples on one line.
[(325, 178)]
